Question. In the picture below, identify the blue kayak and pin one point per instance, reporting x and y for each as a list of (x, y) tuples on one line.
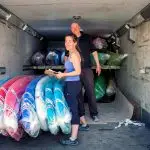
[(62, 110), (50, 106), (40, 102), (29, 118)]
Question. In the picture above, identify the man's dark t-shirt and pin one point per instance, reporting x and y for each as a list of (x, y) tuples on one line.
[(86, 48)]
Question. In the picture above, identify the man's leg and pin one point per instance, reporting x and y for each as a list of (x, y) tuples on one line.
[(81, 104), (88, 82), (83, 123)]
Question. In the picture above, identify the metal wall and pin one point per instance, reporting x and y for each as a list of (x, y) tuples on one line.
[(16, 47), (131, 81)]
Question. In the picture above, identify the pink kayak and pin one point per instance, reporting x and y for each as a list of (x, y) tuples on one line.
[(3, 91), (12, 107)]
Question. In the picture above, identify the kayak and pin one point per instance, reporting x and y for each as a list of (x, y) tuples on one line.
[(12, 107), (3, 91), (50, 107), (29, 119), (40, 102), (62, 110)]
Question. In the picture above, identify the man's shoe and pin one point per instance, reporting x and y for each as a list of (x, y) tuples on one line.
[(69, 142), (95, 118)]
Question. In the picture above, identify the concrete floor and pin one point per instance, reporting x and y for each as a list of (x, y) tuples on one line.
[(98, 138), (116, 111), (102, 136)]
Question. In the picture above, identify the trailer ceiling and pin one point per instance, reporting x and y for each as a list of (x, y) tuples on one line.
[(53, 17)]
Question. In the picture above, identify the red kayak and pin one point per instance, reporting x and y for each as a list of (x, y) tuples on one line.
[(3, 91), (12, 107)]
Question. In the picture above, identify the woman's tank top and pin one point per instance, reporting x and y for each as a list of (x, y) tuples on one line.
[(69, 68)]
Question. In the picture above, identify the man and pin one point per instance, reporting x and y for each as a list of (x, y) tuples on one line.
[(87, 77)]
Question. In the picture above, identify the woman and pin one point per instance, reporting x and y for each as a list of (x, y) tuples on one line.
[(72, 86), (83, 123)]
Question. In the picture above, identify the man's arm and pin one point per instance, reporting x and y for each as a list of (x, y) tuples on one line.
[(98, 66), (95, 55)]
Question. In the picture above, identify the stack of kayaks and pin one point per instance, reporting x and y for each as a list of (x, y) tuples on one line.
[(33, 103)]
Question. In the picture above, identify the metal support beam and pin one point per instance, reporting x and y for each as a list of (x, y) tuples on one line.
[(8, 17), (135, 21)]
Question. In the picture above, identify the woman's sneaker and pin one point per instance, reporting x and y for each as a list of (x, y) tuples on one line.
[(69, 142), (83, 127)]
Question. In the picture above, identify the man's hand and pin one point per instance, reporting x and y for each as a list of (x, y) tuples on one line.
[(98, 70)]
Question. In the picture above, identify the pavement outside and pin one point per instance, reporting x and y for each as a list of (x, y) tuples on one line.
[(100, 137)]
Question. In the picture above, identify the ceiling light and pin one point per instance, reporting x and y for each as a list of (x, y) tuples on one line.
[(24, 27), (76, 17), (127, 26), (41, 38), (5, 14), (8, 16)]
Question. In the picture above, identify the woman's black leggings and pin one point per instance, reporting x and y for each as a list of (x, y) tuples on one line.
[(71, 92)]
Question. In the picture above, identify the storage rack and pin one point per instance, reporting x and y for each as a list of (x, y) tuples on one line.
[(61, 67)]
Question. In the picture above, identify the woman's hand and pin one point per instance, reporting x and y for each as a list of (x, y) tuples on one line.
[(46, 72), (60, 75)]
